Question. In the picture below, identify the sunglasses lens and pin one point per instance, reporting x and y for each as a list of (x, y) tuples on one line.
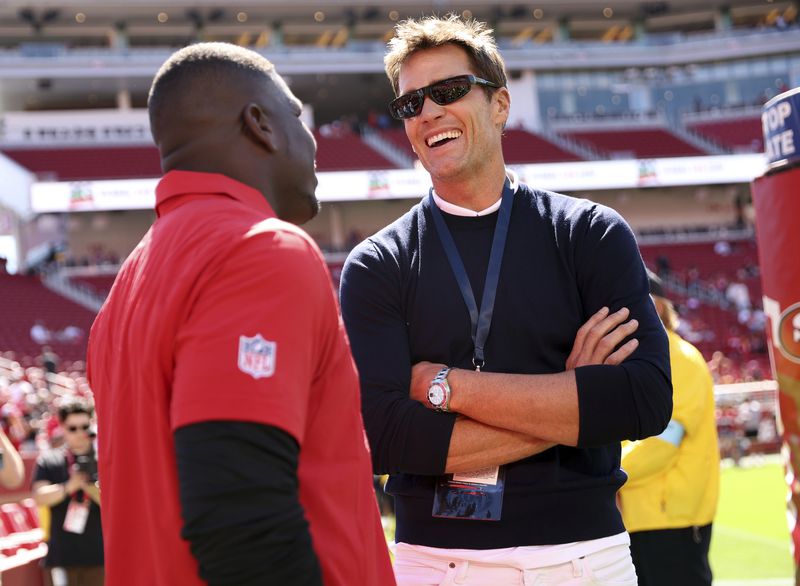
[(443, 93), (406, 106), (449, 91)]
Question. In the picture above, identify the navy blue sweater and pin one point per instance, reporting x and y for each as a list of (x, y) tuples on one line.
[(564, 259)]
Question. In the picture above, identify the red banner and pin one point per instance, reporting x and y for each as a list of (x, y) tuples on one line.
[(777, 204)]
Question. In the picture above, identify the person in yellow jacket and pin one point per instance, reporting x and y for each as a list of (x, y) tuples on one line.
[(670, 498)]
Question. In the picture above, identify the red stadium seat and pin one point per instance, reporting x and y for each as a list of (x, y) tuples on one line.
[(737, 134), (347, 152), (31, 511), (14, 518), (639, 143), (89, 163), (26, 300), (521, 146)]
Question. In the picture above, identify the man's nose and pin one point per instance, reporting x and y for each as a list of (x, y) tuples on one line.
[(431, 110)]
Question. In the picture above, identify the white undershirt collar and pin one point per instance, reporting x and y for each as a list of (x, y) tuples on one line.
[(454, 210)]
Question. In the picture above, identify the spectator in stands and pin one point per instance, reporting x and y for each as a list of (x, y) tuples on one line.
[(729, 433), (12, 469), (372, 118), (739, 295), (670, 498), (49, 360), (749, 419), (722, 247), (662, 265), (225, 387), (13, 421), (40, 334), (71, 334), (65, 481), (564, 260)]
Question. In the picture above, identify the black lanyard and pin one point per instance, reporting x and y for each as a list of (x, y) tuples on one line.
[(483, 321)]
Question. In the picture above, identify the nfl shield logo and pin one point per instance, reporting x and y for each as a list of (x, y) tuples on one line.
[(257, 356)]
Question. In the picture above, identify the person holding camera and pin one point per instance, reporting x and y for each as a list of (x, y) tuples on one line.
[(65, 480)]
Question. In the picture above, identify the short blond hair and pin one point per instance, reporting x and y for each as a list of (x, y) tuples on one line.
[(473, 36)]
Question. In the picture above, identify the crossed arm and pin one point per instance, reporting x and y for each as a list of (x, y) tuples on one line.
[(507, 417)]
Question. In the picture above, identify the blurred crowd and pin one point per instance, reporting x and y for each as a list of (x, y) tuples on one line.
[(30, 395), (746, 427)]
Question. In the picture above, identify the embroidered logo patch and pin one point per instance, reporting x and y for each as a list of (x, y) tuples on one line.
[(257, 356)]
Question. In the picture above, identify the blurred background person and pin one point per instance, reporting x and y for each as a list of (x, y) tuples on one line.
[(12, 470), (64, 480), (670, 498)]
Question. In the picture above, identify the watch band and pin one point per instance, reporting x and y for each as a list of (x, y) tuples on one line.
[(441, 376)]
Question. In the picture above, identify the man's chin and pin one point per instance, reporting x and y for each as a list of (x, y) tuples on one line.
[(314, 207), (307, 212)]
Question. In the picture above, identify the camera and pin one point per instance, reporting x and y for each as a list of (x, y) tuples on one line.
[(87, 464)]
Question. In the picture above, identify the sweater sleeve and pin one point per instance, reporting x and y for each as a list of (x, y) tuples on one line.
[(634, 399), (240, 506), (404, 435)]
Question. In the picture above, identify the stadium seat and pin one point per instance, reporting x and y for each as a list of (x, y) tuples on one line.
[(89, 163), (639, 143), (737, 134), (347, 152)]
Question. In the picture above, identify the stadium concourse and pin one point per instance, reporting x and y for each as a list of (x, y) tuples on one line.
[(650, 108)]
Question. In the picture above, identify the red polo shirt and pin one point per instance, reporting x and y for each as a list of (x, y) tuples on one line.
[(224, 312)]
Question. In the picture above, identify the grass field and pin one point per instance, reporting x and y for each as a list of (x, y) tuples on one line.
[(750, 542)]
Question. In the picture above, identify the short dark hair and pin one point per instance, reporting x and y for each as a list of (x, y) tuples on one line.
[(73, 406), (666, 310), (183, 76), (427, 33), (656, 284)]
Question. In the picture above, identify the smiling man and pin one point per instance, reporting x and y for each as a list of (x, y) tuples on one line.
[(489, 327)]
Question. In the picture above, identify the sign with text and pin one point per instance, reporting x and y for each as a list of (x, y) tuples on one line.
[(136, 194), (780, 122)]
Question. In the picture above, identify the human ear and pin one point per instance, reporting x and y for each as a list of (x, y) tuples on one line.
[(501, 102), (257, 125)]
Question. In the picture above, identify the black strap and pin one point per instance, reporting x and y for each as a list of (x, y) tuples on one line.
[(481, 322)]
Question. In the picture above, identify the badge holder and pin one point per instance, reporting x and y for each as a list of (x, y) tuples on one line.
[(77, 515), (474, 495), (477, 496)]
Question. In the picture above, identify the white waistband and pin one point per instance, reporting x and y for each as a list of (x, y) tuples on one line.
[(524, 557)]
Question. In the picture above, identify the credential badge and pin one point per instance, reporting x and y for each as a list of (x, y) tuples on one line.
[(257, 356)]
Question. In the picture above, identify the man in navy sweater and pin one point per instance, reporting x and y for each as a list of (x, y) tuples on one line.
[(497, 415)]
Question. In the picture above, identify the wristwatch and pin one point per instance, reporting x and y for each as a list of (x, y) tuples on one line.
[(439, 391)]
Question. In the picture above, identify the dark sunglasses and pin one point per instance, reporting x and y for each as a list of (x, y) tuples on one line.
[(442, 92), (74, 428)]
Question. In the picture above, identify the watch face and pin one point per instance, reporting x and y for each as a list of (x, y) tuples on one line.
[(436, 395)]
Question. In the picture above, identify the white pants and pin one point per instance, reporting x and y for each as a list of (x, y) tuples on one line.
[(609, 567)]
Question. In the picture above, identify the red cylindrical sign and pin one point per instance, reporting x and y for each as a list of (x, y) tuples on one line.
[(777, 203)]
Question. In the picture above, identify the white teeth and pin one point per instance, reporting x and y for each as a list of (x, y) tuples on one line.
[(443, 135)]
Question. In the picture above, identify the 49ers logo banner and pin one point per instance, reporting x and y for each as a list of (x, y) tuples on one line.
[(789, 333), (257, 356)]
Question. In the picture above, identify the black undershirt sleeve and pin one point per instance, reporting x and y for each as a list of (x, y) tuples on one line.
[(241, 512)]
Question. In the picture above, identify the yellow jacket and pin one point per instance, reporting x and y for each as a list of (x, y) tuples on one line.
[(671, 486)]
